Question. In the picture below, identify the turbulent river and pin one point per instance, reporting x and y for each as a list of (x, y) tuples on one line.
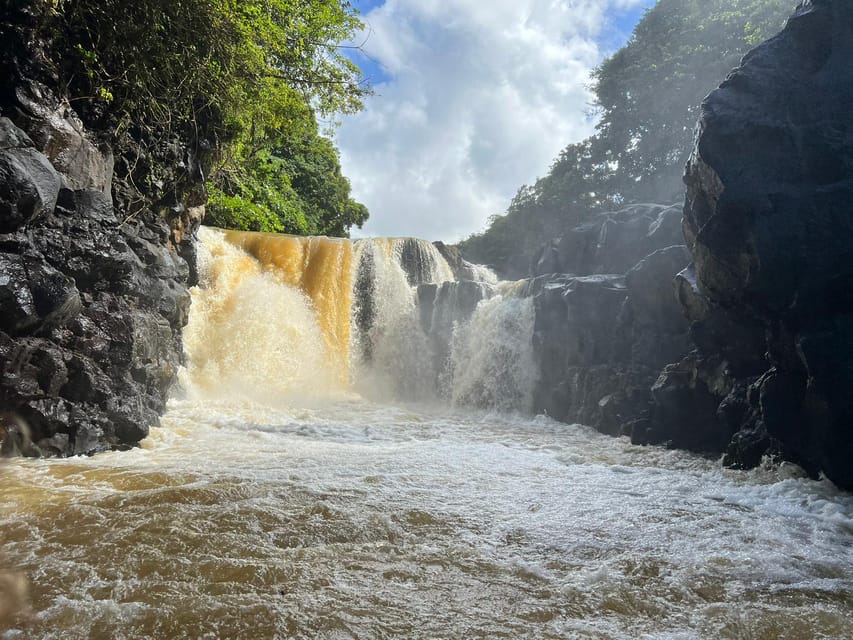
[(349, 457)]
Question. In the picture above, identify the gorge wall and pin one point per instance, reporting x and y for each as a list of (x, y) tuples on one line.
[(93, 276), (769, 221), (760, 323), (723, 327), (606, 317)]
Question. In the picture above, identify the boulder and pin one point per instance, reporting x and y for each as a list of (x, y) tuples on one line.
[(11, 137), (29, 187), (59, 134)]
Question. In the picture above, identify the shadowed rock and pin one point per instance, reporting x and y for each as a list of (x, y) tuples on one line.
[(769, 224), (604, 332), (93, 297)]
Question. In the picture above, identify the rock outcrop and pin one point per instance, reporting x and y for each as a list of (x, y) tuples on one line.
[(93, 276), (607, 316), (611, 242), (769, 221)]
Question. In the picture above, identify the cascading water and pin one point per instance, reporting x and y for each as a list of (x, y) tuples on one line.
[(289, 495), (289, 316), (492, 361), (253, 333), (388, 340)]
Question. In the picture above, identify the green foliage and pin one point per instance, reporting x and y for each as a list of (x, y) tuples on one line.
[(291, 185), (648, 96), (213, 63), (313, 164), (241, 212), (240, 76), (649, 93)]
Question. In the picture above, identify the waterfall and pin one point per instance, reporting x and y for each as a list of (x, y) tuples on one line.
[(491, 358), (253, 333), (388, 342), (278, 317)]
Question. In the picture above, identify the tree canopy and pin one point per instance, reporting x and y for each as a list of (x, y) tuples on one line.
[(248, 78), (647, 96)]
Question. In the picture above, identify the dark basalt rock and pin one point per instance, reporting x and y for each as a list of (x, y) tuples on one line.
[(30, 187), (58, 133), (454, 258), (418, 263), (602, 336), (93, 295), (462, 269), (34, 296), (600, 340), (769, 223), (686, 405), (11, 137), (611, 242), (650, 286), (607, 316)]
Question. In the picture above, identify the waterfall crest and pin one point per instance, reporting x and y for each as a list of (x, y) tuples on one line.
[(276, 317)]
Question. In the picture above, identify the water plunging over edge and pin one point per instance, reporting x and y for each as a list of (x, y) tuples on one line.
[(278, 317)]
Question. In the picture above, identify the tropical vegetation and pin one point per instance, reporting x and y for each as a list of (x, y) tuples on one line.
[(647, 97), (247, 79)]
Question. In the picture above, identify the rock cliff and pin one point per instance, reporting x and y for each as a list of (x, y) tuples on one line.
[(607, 318), (759, 324), (93, 276), (769, 221)]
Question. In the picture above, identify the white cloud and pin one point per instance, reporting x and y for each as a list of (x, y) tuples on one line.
[(482, 97)]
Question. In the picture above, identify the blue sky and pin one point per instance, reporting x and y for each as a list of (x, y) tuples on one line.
[(473, 100)]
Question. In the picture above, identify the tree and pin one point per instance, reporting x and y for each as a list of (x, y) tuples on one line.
[(291, 184), (649, 92), (648, 96), (239, 76)]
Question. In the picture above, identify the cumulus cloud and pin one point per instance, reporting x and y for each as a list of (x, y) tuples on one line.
[(478, 99)]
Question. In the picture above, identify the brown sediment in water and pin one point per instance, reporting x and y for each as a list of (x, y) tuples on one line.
[(320, 267), (14, 586), (14, 597)]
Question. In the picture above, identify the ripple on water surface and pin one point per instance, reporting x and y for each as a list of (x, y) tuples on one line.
[(360, 521)]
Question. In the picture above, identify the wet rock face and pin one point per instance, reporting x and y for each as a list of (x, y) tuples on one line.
[(30, 183), (607, 316), (772, 170), (59, 134), (769, 224), (92, 301), (611, 242)]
